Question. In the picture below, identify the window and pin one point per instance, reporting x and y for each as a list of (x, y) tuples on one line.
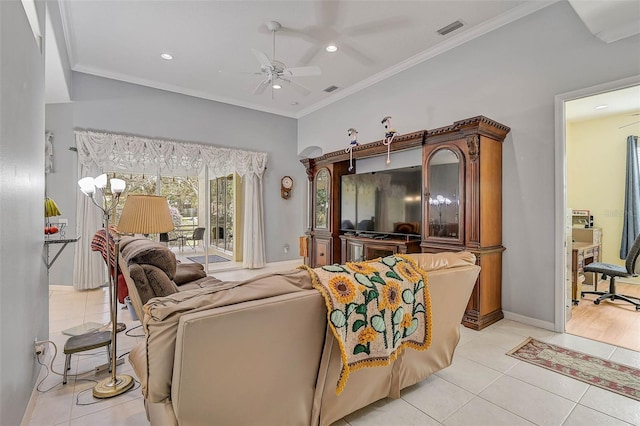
[(136, 184), (181, 193)]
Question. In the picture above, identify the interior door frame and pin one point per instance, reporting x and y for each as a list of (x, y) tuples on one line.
[(561, 186)]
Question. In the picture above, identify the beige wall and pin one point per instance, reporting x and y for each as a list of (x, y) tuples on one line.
[(596, 167)]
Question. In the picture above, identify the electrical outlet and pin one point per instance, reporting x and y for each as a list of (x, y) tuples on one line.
[(286, 248), (39, 348)]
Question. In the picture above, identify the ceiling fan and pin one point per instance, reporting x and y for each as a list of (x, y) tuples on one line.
[(276, 73)]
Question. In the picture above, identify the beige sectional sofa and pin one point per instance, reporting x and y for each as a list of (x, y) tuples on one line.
[(259, 352)]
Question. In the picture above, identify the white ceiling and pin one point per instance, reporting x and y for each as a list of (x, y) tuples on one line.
[(211, 42), (623, 101)]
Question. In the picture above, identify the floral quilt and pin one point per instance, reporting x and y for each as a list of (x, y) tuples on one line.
[(375, 309)]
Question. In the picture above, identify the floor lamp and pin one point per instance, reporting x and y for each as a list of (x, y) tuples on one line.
[(116, 384)]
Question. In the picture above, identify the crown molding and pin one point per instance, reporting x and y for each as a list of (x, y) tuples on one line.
[(179, 90)]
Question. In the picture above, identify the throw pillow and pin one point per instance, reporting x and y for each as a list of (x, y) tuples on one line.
[(158, 281), (139, 277), (144, 251), (187, 272)]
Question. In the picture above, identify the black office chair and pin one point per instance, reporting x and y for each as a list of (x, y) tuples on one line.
[(198, 235), (613, 271)]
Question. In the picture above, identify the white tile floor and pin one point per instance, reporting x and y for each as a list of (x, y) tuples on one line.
[(483, 386)]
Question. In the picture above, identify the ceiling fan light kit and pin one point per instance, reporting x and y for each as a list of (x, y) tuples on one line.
[(275, 73)]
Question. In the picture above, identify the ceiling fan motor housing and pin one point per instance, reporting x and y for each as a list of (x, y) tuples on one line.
[(273, 26)]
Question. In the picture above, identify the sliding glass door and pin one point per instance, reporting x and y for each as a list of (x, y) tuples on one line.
[(222, 213)]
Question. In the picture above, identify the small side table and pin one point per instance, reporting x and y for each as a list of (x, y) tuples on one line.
[(63, 241), (85, 342)]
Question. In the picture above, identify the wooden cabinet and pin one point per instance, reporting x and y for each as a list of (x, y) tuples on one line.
[(356, 249), (462, 200), (321, 251), (461, 205), (324, 211)]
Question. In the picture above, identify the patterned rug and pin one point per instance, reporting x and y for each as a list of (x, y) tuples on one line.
[(605, 374), (213, 258)]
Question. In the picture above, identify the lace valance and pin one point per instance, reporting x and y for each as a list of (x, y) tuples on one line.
[(129, 153)]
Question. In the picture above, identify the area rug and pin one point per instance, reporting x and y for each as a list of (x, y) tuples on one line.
[(595, 371), (213, 258)]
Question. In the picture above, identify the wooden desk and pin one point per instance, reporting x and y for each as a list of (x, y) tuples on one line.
[(583, 253)]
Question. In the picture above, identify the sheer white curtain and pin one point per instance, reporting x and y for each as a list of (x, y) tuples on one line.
[(253, 248), (89, 271), (137, 154)]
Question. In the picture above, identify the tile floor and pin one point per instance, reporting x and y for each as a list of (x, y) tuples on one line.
[(483, 386)]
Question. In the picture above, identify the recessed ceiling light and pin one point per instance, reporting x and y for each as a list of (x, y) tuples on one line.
[(277, 86), (166, 56), (332, 48), (601, 106), (294, 103)]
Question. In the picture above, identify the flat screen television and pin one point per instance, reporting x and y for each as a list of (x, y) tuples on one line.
[(385, 202)]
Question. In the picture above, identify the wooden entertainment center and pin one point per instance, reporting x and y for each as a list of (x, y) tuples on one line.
[(461, 206)]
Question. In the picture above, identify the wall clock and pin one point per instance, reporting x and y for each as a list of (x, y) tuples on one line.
[(286, 185)]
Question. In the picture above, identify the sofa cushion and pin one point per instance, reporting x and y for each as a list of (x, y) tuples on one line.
[(158, 281), (145, 251), (199, 283), (151, 282), (139, 278), (187, 272)]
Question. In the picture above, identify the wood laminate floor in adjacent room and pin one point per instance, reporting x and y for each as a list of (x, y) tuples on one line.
[(617, 323)]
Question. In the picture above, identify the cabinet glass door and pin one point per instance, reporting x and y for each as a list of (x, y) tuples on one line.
[(443, 194), (322, 197)]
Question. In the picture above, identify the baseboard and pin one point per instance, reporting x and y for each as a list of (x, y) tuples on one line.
[(529, 321), (56, 287), (28, 413), (33, 400)]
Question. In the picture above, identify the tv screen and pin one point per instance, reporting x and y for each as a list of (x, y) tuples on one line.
[(384, 202)]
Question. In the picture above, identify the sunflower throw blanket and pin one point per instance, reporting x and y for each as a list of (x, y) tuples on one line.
[(375, 309)]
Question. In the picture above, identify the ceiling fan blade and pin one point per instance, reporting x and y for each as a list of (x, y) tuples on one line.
[(261, 86), (378, 26), (263, 59), (355, 54), (303, 34), (302, 71), (328, 12), (299, 88)]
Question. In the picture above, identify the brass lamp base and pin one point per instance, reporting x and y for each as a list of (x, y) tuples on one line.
[(107, 388)]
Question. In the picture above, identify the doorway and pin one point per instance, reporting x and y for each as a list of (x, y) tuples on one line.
[(588, 140)]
